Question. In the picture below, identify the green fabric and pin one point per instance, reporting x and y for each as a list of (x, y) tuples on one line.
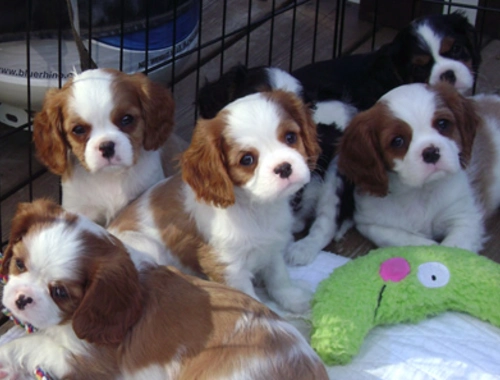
[(346, 305)]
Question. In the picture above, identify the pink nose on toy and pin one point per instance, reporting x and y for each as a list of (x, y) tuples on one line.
[(394, 269)]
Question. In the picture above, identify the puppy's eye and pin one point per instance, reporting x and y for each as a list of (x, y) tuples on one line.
[(247, 160), (397, 142), (20, 265), (126, 120), (78, 130), (456, 50), (291, 138), (58, 292), (443, 125)]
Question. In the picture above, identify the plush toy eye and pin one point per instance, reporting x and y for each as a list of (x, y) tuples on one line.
[(291, 138), (126, 120), (397, 142), (20, 265), (247, 160), (433, 274), (58, 292), (78, 130)]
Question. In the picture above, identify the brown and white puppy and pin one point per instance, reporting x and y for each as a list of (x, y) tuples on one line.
[(98, 317), (102, 133), (229, 217), (422, 175)]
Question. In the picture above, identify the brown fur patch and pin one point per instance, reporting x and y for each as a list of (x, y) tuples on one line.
[(212, 333), (204, 164), (365, 150)]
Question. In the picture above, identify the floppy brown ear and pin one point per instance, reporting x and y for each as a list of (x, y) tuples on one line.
[(27, 215), (157, 110), (302, 115), (203, 164), (112, 302), (467, 119), (48, 136), (359, 158)]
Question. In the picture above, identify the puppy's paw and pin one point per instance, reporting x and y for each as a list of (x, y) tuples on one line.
[(293, 298), (301, 252)]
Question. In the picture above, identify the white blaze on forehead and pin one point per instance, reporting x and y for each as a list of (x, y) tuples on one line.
[(282, 80), (431, 39), (55, 250), (253, 120), (413, 103), (92, 98)]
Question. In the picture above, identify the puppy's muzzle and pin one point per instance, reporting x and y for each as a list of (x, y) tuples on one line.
[(284, 170), (431, 155), (448, 76), (22, 301), (107, 149)]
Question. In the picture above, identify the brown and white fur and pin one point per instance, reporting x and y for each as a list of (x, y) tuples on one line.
[(229, 217), (102, 132), (98, 317), (425, 164)]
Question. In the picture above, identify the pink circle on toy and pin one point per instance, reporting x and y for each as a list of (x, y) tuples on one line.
[(395, 269)]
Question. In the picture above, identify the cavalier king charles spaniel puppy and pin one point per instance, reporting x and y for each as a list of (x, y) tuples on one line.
[(431, 49), (102, 133), (99, 316), (323, 208), (228, 216), (425, 164)]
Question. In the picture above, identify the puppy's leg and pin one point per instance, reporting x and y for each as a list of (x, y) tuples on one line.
[(20, 357), (466, 229), (240, 279), (279, 286), (324, 227)]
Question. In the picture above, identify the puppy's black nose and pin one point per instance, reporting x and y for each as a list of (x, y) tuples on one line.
[(431, 155), (284, 170), (107, 149), (22, 301), (448, 76)]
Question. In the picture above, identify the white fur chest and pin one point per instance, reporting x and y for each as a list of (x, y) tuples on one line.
[(428, 211), (249, 232), (101, 195)]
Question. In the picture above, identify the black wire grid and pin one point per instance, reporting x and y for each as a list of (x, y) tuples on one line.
[(218, 49)]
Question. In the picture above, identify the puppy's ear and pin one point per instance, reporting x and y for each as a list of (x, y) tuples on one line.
[(28, 215), (359, 157), (204, 166), (112, 302), (302, 115), (157, 110), (48, 136), (467, 119)]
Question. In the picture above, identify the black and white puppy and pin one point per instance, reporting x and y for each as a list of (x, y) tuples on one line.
[(431, 49), (324, 199)]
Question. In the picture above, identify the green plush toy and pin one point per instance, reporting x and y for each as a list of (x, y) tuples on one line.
[(399, 284)]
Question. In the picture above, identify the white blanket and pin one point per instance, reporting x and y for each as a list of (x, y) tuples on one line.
[(449, 346)]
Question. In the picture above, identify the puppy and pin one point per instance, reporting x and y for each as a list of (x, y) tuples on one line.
[(240, 81), (327, 199), (102, 133), (431, 49), (98, 317), (421, 174), (228, 216)]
